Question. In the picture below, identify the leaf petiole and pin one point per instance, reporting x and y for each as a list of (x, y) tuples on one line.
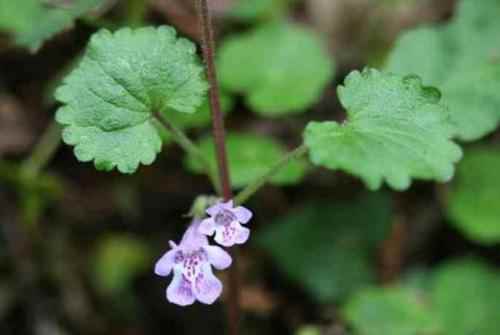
[(189, 146), (43, 152), (251, 189)]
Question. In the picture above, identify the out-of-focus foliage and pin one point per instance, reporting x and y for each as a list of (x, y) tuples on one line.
[(250, 10), (396, 130), (474, 202), (328, 247), (466, 298), (34, 21), (461, 298), (123, 79), (250, 156), (308, 330), (390, 311), (462, 58), (200, 119), (280, 67), (116, 262)]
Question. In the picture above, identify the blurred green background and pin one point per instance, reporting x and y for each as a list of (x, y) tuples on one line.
[(327, 256)]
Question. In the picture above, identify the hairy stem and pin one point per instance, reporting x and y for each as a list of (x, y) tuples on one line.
[(185, 143), (208, 46), (251, 189)]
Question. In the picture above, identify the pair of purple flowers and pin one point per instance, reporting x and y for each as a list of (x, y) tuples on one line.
[(192, 259)]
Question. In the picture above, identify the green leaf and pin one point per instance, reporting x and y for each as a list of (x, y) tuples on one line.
[(396, 130), (473, 204), (285, 68), (466, 298), (122, 81), (329, 247), (390, 311), (117, 260), (462, 58), (250, 156), (461, 297), (249, 10), (33, 21)]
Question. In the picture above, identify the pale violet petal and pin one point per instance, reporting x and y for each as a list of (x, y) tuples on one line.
[(207, 227), (218, 257), (222, 238), (192, 238), (206, 287), (164, 265), (180, 291), (228, 205), (213, 210), (231, 234), (242, 214), (242, 234)]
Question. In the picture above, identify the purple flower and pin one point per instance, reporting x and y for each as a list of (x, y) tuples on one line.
[(191, 262), (225, 220)]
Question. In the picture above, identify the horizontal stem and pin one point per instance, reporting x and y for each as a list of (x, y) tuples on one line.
[(251, 189), (189, 146)]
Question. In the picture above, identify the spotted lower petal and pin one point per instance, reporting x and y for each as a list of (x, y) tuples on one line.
[(206, 287), (229, 235), (180, 291)]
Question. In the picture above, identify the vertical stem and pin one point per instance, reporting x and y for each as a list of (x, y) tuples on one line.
[(208, 45)]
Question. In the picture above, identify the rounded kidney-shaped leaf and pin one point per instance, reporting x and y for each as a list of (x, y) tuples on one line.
[(123, 81), (281, 68), (396, 130)]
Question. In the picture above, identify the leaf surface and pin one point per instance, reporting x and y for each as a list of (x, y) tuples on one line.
[(396, 130), (474, 201), (34, 21), (111, 98), (280, 67), (462, 58)]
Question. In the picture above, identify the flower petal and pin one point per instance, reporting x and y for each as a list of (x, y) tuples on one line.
[(218, 257), (206, 287), (242, 214), (180, 291), (242, 235), (213, 210), (164, 265), (221, 238), (207, 227), (228, 205), (232, 234)]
